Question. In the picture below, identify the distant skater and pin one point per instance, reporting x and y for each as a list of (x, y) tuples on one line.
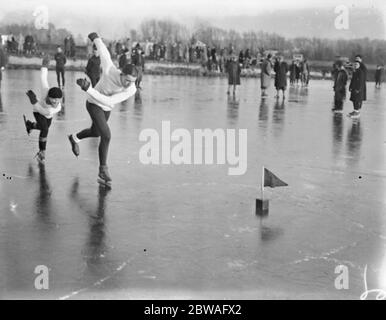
[(43, 110), (114, 87)]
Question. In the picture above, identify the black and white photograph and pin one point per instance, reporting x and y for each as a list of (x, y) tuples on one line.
[(192, 150)]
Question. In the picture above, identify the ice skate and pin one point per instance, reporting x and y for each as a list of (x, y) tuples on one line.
[(336, 110), (354, 115), (74, 146), (28, 125), (104, 176), (40, 157)]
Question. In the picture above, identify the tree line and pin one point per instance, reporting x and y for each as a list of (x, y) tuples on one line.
[(169, 31)]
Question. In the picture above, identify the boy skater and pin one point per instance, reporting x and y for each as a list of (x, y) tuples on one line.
[(113, 87), (340, 87), (43, 110)]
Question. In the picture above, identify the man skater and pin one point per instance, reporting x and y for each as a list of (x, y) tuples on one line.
[(340, 87), (61, 60), (114, 86), (357, 90), (43, 110)]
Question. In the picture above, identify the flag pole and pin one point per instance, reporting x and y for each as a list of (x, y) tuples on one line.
[(262, 184)]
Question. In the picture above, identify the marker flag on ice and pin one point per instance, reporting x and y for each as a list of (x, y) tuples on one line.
[(270, 180)]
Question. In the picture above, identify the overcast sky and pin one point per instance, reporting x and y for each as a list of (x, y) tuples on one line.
[(114, 17), (179, 7)]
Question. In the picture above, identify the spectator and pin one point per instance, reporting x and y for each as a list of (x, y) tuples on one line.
[(20, 44), (357, 89), (93, 68), (378, 76), (234, 70), (265, 75), (340, 87), (67, 46), (139, 62), (281, 69), (358, 58), (3, 61), (293, 72), (305, 72), (72, 47), (61, 60), (124, 59)]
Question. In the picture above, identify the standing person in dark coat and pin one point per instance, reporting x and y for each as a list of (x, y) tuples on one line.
[(61, 60), (357, 89), (335, 70), (378, 76), (124, 59), (93, 68), (292, 72), (139, 61), (358, 58), (234, 70), (340, 88), (281, 69)]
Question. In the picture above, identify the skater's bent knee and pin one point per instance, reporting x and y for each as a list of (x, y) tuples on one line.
[(106, 136)]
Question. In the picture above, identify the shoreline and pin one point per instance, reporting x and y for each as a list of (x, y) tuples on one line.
[(321, 70)]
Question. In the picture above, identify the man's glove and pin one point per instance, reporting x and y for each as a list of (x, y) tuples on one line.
[(32, 97), (83, 83), (92, 36)]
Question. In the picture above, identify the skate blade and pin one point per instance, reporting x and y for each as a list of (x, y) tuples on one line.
[(104, 183), (40, 161), (25, 123)]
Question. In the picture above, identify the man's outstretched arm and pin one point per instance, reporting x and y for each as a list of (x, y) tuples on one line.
[(104, 54), (107, 101), (44, 87), (113, 99)]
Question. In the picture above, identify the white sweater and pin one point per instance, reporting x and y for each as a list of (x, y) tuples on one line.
[(41, 106), (108, 91)]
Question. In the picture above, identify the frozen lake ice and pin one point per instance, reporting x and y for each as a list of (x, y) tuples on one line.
[(190, 231)]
